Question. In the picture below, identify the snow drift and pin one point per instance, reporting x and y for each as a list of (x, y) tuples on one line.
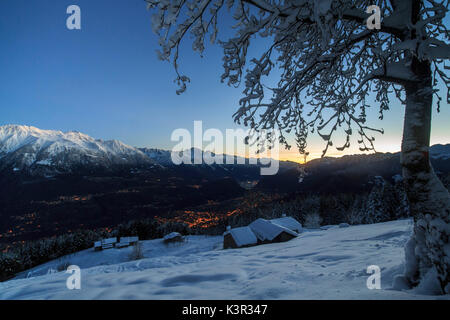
[(319, 264)]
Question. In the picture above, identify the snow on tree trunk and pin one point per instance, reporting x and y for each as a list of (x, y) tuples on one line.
[(428, 251)]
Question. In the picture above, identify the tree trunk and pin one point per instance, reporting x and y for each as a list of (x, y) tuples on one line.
[(428, 251)]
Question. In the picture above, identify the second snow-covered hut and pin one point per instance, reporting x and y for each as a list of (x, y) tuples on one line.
[(267, 231), (289, 223)]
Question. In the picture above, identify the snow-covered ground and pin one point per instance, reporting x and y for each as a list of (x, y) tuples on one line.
[(319, 264)]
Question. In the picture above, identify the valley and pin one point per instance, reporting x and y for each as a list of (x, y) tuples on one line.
[(60, 192)]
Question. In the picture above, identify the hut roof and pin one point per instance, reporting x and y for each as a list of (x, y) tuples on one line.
[(172, 236), (265, 230), (129, 239), (288, 222), (109, 241), (243, 236)]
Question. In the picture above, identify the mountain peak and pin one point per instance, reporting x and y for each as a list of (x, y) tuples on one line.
[(33, 149)]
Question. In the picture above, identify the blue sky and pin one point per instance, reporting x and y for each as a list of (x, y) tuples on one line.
[(106, 81)]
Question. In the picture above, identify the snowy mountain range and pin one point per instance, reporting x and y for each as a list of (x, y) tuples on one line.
[(350, 173), (162, 157), (440, 151), (47, 151)]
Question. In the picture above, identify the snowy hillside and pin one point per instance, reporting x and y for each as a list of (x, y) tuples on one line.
[(24, 147), (440, 151), (320, 264), (162, 157)]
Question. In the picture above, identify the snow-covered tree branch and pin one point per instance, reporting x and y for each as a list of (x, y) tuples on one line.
[(322, 49), (329, 66)]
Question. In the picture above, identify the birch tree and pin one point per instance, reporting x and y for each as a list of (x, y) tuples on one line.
[(330, 59)]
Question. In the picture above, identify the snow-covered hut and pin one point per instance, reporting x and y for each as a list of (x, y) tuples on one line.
[(109, 243), (267, 231), (97, 245), (173, 237), (239, 238), (289, 223), (127, 241)]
